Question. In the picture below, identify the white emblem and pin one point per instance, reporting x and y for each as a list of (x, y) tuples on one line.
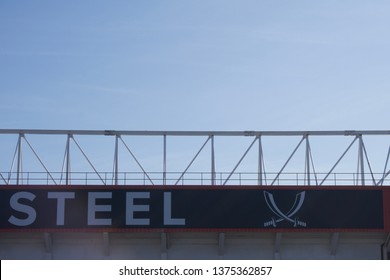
[(299, 198)]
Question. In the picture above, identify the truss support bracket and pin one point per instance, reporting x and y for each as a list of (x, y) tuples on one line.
[(221, 244), (106, 243), (386, 248), (164, 245), (334, 241), (48, 243), (278, 242)]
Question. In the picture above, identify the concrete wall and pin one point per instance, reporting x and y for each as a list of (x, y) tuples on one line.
[(191, 245)]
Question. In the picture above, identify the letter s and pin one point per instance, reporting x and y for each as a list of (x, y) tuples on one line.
[(16, 205)]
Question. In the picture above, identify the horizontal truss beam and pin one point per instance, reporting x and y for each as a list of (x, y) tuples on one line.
[(195, 133)]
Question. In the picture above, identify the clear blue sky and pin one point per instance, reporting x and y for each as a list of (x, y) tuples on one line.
[(195, 65)]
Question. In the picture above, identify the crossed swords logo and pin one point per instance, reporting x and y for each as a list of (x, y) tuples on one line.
[(299, 198)]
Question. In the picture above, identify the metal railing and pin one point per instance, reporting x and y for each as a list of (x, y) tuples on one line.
[(189, 178)]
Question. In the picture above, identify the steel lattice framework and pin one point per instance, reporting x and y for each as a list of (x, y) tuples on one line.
[(70, 173)]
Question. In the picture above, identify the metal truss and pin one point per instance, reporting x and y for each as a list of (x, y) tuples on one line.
[(72, 172)]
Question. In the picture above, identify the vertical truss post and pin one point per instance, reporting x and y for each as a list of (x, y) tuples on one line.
[(116, 160), (212, 161), (67, 160), (165, 159), (307, 161), (19, 161), (361, 160), (260, 164)]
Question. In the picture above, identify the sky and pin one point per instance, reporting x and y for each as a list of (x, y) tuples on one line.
[(195, 65)]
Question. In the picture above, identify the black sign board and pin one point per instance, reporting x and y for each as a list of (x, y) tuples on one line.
[(171, 208)]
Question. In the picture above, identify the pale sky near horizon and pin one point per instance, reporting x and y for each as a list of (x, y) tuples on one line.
[(195, 65)]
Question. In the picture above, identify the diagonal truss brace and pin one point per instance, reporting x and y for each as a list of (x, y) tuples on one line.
[(39, 159), (368, 163), (288, 160), (338, 161), (385, 174), (136, 160), (241, 159), (18, 155), (86, 157), (2, 178), (309, 162), (192, 161)]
